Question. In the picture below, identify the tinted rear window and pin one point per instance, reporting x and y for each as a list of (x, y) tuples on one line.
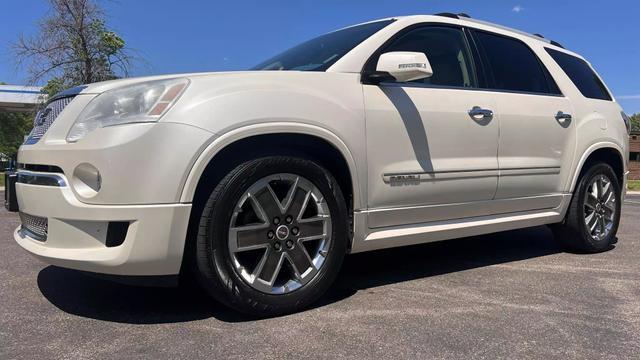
[(581, 74), (514, 65)]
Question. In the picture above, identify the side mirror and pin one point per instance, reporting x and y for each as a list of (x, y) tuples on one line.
[(404, 66)]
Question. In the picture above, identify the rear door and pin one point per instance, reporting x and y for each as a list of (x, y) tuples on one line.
[(537, 139)]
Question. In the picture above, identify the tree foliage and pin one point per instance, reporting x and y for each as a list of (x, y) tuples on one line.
[(635, 122), (73, 46), (13, 128)]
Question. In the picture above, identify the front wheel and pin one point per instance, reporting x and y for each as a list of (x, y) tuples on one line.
[(272, 236), (593, 216)]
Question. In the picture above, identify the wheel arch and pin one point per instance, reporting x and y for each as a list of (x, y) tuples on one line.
[(607, 152), (275, 138)]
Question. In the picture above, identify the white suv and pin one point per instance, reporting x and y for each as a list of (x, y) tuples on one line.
[(389, 133)]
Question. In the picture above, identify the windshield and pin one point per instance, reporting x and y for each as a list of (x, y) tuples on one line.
[(322, 52)]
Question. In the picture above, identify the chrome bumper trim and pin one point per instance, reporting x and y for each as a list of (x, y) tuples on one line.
[(44, 179)]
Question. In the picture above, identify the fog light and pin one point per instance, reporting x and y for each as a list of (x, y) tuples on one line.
[(86, 180)]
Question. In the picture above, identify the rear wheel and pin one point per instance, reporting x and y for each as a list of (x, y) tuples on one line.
[(272, 236), (593, 216)]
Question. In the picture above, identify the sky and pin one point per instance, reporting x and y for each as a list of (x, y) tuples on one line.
[(200, 35)]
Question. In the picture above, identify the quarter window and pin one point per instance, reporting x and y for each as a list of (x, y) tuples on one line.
[(514, 65), (447, 51), (581, 74)]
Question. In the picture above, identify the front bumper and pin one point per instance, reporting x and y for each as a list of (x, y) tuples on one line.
[(138, 163), (153, 245), (128, 177)]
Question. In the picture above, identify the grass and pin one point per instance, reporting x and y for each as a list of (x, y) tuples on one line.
[(1, 179)]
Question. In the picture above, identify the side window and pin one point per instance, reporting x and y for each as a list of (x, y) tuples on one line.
[(447, 51), (514, 65), (581, 74)]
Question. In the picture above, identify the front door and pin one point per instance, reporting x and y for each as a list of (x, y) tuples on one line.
[(429, 158)]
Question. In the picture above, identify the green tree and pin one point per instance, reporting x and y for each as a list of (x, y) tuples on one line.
[(13, 128), (73, 46), (635, 122)]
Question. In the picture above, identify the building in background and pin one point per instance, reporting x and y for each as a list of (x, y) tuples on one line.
[(634, 155), (15, 98)]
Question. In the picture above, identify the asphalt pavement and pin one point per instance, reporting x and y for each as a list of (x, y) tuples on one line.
[(508, 295)]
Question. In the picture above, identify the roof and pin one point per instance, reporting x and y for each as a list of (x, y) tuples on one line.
[(466, 18)]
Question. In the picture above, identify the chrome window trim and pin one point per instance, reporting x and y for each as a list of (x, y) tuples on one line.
[(442, 87)]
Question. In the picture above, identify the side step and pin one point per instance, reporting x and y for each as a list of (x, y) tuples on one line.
[(451, 229)]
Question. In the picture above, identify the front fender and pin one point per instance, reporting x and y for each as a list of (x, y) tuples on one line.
[(235, 106), (230, 137)]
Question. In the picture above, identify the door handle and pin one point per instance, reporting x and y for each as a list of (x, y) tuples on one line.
[(563, 117), (479, 113)]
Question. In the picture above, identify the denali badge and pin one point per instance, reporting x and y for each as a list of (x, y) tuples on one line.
[(402, 179)]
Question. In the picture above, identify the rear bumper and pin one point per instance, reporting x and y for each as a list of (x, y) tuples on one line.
[(77, 233)]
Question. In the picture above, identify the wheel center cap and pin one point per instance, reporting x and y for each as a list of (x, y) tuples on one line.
[(282, 232), (598, 207)]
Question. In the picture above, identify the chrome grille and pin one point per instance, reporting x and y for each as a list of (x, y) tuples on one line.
[(34, 227), (45, 117)]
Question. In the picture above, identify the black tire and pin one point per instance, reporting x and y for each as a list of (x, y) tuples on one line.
[(573, 233), (213, 259)]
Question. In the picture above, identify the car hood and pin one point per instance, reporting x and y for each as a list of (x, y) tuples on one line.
[(100, 87)]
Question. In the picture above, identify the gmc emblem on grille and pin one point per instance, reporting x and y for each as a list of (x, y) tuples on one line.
[(42, 116)]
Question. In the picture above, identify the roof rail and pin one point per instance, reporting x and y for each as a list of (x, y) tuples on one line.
[(552, 42), (469, 18), (454, 16), (449, 15)]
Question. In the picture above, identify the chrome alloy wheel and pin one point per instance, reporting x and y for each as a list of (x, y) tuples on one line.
[(599, 207), (280, 233)]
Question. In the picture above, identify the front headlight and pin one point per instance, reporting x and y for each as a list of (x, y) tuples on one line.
[(139, 103)]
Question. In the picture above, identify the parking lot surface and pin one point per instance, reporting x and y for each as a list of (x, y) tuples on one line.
[(506, 295)]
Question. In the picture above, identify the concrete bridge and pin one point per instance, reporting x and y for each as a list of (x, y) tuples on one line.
[(15, 98)]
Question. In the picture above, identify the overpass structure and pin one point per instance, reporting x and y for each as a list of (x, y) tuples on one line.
[(15, 98)]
